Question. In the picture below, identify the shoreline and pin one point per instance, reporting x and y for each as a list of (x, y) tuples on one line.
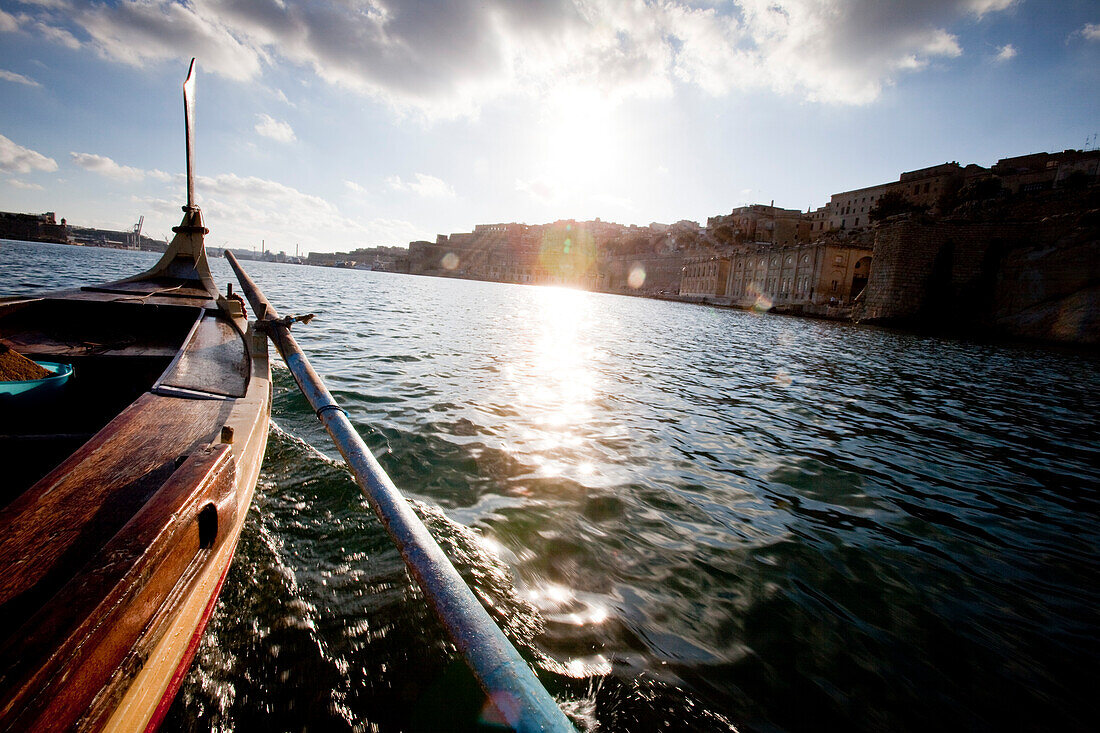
[(833, 314)]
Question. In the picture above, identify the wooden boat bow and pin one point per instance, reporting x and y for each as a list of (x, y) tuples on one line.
[(127, 491)]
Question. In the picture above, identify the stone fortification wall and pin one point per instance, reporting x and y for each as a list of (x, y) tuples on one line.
[(660, 273), (32, 228), (1036, 279), (907, 253)]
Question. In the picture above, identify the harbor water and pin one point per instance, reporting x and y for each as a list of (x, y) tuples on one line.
[(686, 518)]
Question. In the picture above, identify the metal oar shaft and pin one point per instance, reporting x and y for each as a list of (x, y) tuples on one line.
[(509, 682)]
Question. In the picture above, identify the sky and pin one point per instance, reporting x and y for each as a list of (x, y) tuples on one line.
[(335, 124)]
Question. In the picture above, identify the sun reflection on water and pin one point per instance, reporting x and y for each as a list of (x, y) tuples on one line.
[(565, 605), (553, 382)]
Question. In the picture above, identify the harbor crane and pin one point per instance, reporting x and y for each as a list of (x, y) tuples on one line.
[(135, 233)]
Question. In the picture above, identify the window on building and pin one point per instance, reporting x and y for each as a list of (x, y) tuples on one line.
[(857, 222), (834, 285), (839, 259)]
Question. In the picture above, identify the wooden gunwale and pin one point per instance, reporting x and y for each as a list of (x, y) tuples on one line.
[(153, 687), (103, 610)]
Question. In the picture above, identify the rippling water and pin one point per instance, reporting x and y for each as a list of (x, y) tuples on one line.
[(686, 518)]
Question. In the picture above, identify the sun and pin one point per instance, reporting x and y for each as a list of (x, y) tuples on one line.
[(580, 135)]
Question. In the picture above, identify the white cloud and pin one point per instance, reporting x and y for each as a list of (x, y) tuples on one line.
[(355, 187), (246, 209), (460, 55), (619, 202), (17, 78), (1006, 52), (981, 7), (829, 52), (242, 210), (1091, 31), (942, 43), (15, 158), (108, 168), (243, 196), (55, 34), (24, 185), (538, 188), (104, 166), (136, 32), (424, 185), (270, 127), (8, 22), (43, 24)]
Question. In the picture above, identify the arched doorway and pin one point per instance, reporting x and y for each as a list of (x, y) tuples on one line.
[(860, 274)]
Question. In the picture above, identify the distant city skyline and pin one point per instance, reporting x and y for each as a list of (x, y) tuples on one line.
[(332, 127)]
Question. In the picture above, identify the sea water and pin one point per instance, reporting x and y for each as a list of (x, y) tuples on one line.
[(686, 518)]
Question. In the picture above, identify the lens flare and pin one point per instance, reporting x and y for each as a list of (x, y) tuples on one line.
[(762, 304), (450, 261), (567, 256), (502, 710), (636, 278)]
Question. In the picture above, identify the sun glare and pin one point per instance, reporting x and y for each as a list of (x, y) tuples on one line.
[(580, 137), (553, 381)]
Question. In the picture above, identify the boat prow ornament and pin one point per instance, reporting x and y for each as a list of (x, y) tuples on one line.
[(185, 258)]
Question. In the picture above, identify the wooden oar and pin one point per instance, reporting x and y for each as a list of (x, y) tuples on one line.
[(512, 687)]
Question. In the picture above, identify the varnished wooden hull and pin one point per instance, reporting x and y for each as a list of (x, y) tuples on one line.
[(111, 557)]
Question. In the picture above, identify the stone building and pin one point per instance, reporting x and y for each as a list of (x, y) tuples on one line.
[(33, 227), (642, 273), (923, 187), (763, 223), (1044, 171), (829, 271), (819, 220), (705, 276), (427, 257), (823, 272)]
